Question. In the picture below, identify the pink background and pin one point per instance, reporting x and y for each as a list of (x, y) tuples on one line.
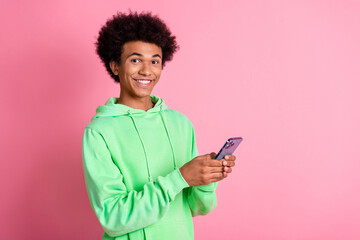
[(284, 75)]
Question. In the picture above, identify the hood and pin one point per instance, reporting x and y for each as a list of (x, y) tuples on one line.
[(111, 108)]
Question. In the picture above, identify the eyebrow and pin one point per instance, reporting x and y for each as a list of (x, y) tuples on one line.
[(140, 55)]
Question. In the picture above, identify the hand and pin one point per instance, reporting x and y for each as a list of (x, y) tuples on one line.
[(204, 170), (228, 163)]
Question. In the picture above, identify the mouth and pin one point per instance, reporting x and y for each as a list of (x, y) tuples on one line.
[(143, 82)]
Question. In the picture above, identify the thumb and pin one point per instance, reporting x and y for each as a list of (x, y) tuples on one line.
[(212, 155)]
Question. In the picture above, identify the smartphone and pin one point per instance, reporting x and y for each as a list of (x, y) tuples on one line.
[(229, 147)]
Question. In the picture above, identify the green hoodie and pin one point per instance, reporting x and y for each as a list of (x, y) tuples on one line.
[(131, 162)]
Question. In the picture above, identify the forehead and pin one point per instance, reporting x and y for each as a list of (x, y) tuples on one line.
[(143, 48)]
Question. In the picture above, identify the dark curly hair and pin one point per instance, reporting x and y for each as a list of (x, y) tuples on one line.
[(122, 28)]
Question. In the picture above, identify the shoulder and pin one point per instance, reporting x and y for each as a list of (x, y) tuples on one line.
[(176, 115), (104, 124), (178, 118), (96, 124)]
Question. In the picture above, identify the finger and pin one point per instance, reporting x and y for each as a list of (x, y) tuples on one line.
[(227, 169), (220, 177), (215, 163), (215, 169), (212, 155), (216, 176), (225, 174), (230, 164), (230, 157)]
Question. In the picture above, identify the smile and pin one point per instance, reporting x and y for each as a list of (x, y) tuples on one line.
[(143, 82)]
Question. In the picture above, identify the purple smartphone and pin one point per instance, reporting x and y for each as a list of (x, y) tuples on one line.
[(229, 147)]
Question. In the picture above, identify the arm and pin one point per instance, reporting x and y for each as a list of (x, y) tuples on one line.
[(119, 210), (202, 199)]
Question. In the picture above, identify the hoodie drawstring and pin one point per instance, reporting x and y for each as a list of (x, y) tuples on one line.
[(168, 135), (142, 143)]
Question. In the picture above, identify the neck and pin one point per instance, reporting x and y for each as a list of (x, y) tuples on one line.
[(136, 103)]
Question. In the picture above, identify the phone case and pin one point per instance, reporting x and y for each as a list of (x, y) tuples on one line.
[(229, 147)]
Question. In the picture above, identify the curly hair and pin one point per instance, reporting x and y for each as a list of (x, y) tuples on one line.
[(122, 28)]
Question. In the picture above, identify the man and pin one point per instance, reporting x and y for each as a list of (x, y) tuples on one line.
[(143, 174)]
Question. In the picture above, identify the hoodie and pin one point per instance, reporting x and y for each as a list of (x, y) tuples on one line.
[(131, 161)]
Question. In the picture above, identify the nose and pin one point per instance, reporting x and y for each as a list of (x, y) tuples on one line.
[(145, 69)]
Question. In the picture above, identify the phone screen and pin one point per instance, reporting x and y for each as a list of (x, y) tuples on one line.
[(229, 147)]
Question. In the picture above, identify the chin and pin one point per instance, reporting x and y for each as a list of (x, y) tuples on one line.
[(143, 94)]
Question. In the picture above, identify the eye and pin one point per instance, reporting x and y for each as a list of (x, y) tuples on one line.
[(135, 60), (155, 62)]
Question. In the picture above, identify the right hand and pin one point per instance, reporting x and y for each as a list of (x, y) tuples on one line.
[(203, 170)]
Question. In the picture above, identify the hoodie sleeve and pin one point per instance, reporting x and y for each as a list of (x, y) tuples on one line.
[(202, 199), (121, 211)]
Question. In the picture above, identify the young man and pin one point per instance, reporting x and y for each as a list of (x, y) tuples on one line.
[(143, 174)]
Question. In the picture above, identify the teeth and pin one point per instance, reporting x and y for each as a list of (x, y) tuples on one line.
[(144, 81)]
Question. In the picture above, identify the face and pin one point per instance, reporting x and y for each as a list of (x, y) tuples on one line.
[(139, 69)]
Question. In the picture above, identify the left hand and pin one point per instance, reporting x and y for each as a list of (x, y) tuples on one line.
[(228, 163)]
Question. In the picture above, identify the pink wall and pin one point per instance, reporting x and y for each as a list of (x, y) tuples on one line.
[(282, 74)]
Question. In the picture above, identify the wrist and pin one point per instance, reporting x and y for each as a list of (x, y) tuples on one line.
[(183, 174)]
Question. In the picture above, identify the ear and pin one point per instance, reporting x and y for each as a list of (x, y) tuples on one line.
[(114, 67)]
